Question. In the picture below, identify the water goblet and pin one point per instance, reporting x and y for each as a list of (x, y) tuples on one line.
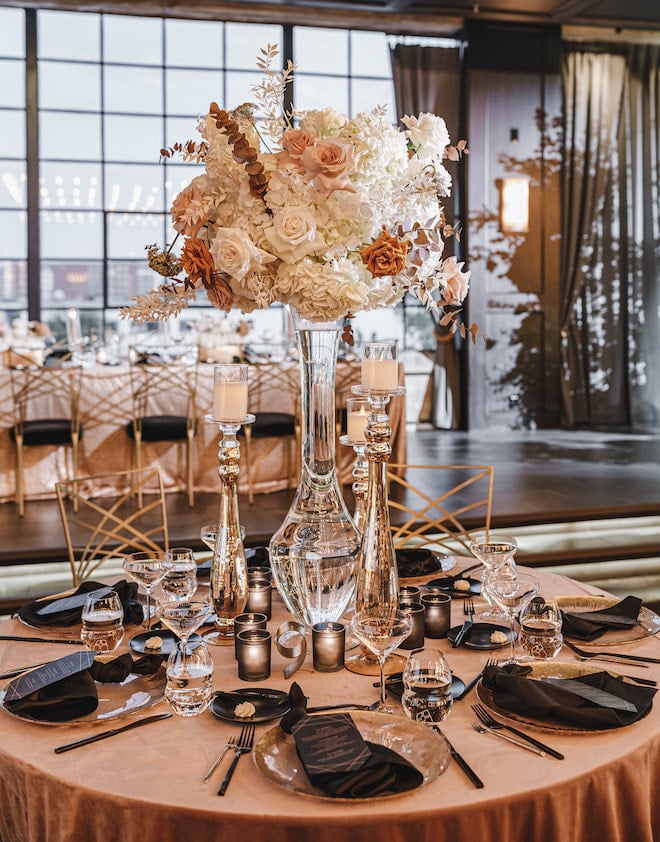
[(184, 618), (540, 628), (147, 568), (180, 581), (427, 686), (189, 680), (512, 594), (493, 552), (102, 622), (381, 631)]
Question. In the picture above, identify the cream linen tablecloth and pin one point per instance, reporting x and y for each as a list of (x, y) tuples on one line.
[(145, 785), (105, 447)]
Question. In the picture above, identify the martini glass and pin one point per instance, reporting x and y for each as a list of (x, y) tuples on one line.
[(512, 594), (493, 552), (184, 618), (381, 631), (147, 569)]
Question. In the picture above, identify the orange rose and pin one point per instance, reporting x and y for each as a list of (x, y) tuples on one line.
[(219, 294), (387, 256), (196, 261), (190, 210)]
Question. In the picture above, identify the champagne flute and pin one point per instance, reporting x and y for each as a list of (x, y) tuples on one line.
[(147, 568), (512, 594), (381, 631)]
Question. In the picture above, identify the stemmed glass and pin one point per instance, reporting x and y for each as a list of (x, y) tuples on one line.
[(180, 582), (512, 594), (147, 568), (184, 618), (381, 631), (493, 552)]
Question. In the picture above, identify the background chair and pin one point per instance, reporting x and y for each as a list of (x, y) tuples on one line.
[(46, 402), (264, 380), (103, 520), (163, 394), (439, 505)]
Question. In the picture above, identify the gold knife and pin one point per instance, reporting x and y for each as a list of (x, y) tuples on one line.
[(104, 734)]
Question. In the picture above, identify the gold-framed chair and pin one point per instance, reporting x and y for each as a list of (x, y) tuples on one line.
[(439, 506), (46, 407), (158, 384), (264, 381), (103, 519)]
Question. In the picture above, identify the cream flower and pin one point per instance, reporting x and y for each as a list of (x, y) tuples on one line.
[(293, 234), (453, 281), (428, 134), (330, 163), (235, 254)]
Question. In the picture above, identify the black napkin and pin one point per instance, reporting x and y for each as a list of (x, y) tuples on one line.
[(589, 625), (416, 562), (72, 615), (362, 769), (74, 694), (594, 701)]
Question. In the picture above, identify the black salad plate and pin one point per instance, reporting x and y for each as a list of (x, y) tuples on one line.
[(269, 704), (394, 685), (138, 642), (448, 584), (479, 636)]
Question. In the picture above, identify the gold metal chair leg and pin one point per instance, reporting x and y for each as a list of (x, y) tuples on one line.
[(18, 481), (189, 471), (138, 463)]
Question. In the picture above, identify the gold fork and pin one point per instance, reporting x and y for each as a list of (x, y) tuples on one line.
[(231, 742)]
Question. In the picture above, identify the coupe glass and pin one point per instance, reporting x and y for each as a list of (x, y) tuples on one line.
[(493, 552), (102, 622), (381, 631), (325, 586), (540, 628), (180, 581), (512, 594), (427, 686), (183, 618), (147, 569)]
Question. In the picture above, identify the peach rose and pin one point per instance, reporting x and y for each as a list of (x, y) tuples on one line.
[(294, 143), (456, 282), (330, 162), (387, 256), (196, 261), (219, 294)]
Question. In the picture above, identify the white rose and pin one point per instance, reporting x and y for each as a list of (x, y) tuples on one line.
[(293, 234), (235, 254), (428, 134)]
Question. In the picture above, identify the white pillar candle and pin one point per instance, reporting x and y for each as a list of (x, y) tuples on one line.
[(356, 424), (230, 401), (379, 375), (73, 334)]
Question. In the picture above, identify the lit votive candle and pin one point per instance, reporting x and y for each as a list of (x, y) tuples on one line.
[(380, 370), (357, 415), (230, 393)]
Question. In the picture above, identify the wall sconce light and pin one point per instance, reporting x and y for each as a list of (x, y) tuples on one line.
[(514, 205)]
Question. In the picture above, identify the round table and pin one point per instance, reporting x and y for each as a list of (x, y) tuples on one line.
[(147, 784)]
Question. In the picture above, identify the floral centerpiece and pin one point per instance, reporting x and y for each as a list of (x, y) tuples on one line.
[(330, 214), (24, 340), (218, 339)]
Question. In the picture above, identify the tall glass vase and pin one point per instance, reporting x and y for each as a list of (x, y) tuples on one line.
[(318, 519)]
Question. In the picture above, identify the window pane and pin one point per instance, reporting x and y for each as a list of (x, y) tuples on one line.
[(129, 233), (12, 134), (72, 283), (134, 187), (12, 83), (178, 177), (72, 86), (246, 40), (182, 129), (193, 43), (64, 34), (13, 283), (71, 234), (365, 94), (321, 92), (70, 136), (321, 50), (76, 185), (128, 40), (13, 234), (239, 88), (191, 91), (13, 184), (127, 279), (12, 32), (133, 89), (133, 138), (370, 54)]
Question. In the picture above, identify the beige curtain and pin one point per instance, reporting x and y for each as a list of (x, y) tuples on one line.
[(429, 79), (611, 239)]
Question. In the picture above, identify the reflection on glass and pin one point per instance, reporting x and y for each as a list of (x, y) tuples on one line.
[(79, 184), (13, 187), (69, 283)]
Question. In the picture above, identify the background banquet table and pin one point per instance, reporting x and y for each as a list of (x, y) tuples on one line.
[(147, 784), (106, 408)]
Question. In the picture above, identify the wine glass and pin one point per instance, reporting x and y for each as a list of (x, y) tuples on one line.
[(512, 593), (493, 552), (147, 568), (540, 628), (183, 618), (180, 581), (381, 631), (427, 686), (102, 622)]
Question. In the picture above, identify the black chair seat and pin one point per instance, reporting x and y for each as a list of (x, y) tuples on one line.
[(161, 428), (269, 424), (45, 431)]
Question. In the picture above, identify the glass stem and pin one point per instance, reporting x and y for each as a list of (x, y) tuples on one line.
[(383, 694), (512, 622), (147, 618)]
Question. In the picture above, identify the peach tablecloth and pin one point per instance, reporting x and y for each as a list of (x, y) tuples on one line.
[(105, 447), (146, 785)]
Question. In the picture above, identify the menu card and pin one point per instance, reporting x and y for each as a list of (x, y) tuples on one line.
[(330, 744), (37, 679)]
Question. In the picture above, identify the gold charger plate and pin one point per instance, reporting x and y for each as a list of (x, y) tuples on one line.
[(649, 621), (277, 759), (551, 669), (136, 693)]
